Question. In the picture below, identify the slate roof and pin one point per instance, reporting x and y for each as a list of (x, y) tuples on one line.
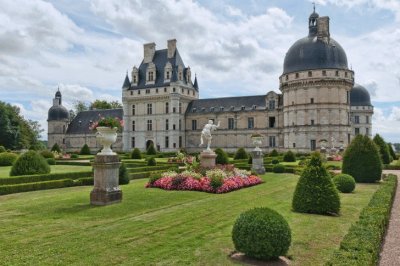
[(160, 59), (205, 105), (83, 120), (359, 96), (57, 112)]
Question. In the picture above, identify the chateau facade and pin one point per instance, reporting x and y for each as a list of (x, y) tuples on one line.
[(319, 103)]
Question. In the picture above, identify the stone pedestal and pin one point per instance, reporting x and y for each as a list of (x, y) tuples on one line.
[(106, 190), (257, 162), (207, 159)]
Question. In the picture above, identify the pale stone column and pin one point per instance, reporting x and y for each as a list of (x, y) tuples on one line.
[(257, 165)]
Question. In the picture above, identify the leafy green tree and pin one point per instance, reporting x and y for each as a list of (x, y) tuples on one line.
[(362, 161), (391, 151), (383, 149), (103, 104)]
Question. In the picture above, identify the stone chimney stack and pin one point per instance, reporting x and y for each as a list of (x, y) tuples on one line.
[(171, 48), (323, 29), (149, 50)]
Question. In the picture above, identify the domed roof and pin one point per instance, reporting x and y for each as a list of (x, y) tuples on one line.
[(313, 53), (58, 112), (359, 96), (58, 94)]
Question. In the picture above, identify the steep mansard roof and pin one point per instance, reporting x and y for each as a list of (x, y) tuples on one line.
[(83, 120)]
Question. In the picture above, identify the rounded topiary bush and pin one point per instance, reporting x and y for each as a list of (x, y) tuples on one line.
[(289, 157), (47, 154), (240, 154), (136, 154), (74, 156), (344, 183), (85, 150), (151, 150), (274, 153), (2, 149), (123, 175), (222, 157), (275, 161), (30, 163), (7, 158), (362, 160), (152, 161), (315, 191), (56, 148), (278, 168), (261, 233), (51, 161)]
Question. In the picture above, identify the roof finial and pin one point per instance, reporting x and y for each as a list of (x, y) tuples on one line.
[(313, 6)]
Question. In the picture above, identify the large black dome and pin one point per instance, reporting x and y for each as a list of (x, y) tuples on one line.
[(359, 96), (310, 53), (58, 112)]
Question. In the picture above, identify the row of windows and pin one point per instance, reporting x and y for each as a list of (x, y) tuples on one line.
[(271, 106), (147, 91), (166, 143), (357, 131), (232, 123), (357, 119), (150, 125), (310, 74), (150, 108)]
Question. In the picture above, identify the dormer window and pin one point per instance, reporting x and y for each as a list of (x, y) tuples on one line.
[(203, 109), (180, 75), (180, 72), (221, 108), (297, 75), (151, 74), (168, 75), (135, 76), (323, 72), (337, 73), (243, 108), (194, 110), (212, 109), (167, 72), (254, 107), (309, 73), (232, 108)]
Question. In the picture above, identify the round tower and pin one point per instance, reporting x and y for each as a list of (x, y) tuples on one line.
[(58, 119), (316, 84), (361, 110)]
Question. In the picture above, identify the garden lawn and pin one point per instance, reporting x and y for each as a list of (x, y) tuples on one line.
[(5, 170), (154, 226)]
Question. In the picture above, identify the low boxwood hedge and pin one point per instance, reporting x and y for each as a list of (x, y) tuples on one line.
[(45, 177), (362, 244), (16, 188), (60, 162), (391, 167), (84, 181)]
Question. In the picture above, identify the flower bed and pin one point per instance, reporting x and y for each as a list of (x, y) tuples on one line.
[(218, 180)]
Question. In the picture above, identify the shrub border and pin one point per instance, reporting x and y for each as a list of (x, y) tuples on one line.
[(40, 178)]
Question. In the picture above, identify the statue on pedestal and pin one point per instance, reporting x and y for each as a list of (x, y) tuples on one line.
[(206, 133)]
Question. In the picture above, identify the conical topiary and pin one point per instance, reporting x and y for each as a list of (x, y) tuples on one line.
[(315, 192), (222, 157), (30, 163), (123, 175), (240, 154), (383, 149), (289, 157), (391, 151), (136, 154), (151, 150), (56, 148), (362, 160), (85, 150)]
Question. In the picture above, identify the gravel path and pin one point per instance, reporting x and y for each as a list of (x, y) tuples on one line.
[(390, 253)]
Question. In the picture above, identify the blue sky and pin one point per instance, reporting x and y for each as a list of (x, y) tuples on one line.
[(235, 47)]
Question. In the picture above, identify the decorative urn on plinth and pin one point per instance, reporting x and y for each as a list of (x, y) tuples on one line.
[(257, 154), (106, 136)]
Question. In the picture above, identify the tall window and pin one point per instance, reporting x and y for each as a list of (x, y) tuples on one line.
[(310, 73), (194, 124), (149, 125), (166, 124), (323, 72), (133, 126), (367, 131), (133, 142), (356, 130), (272, 141), (134, 79), (313, 144), (337, 73), (166, 108), (166, 142), (312, 100), (151, 76), (312, 122), (367, 119), (167, 74), (271, 105), (231, 123), (250, 122), (180, 124), (356, 119), (149, 108), (180, 142), (133, 109), (180, 108), (272, 121)]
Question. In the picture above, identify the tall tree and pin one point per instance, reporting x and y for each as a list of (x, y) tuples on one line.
[(383, 149), (103, 104)]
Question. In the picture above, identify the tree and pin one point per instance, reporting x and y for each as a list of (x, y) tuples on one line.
[(383, 149), (80, 106), (391, 151), (362, 161)]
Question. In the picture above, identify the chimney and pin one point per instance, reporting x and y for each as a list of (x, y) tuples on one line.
[(149, 50), (171, 48), (323, 29)]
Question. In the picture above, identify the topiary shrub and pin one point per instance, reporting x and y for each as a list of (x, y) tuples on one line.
[(154, 176), (250, 160), (56, 148), (216, 182), (74, 156), (390, 148), (240, 154), (151, 150), (123, 175), (30, 163), (2, 149), (51, 161), (362, 160), (7, 158), (315, 191), (261, 233), (85, 150), (289, 157), (136, 154), (344, 183), (222, 157), (383, 149), (47, 154), (278, 168), (152, 161), (275, 161), (273, 153)]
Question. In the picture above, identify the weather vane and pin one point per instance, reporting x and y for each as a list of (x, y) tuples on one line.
[(314, 6)]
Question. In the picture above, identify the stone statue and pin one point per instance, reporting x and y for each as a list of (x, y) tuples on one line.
[(206, 133)]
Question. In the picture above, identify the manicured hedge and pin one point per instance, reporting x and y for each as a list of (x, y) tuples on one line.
[(16, 188), (45, 177), (59, 162), (84, 181), (148, 168), (362, 244), (391, 167), (143, 174)]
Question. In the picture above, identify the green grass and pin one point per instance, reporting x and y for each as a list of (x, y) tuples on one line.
[(153, 226), (5, 170)]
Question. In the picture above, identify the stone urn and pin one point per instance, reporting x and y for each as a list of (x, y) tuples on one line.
[(106, 136), (257, 141)]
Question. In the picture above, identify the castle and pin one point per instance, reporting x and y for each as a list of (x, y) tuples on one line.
[(319, 103)]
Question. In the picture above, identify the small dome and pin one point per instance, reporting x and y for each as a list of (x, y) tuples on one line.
[(58, 112), (359, 96), (58, 94)]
